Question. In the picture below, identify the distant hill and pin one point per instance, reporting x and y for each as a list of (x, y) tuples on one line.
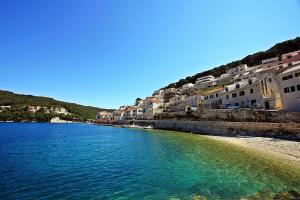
[(18, 107), (250, 60)]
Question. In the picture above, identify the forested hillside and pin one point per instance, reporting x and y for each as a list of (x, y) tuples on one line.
[(17, 107), (250, 60)]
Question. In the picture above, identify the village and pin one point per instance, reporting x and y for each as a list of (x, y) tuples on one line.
[(273, 85)]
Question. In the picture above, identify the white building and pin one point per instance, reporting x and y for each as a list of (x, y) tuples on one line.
[(259, 92), (194, 99), (289, 87), (238, 70), (224, 78), (186, 88), (205, 81), (213, 98)]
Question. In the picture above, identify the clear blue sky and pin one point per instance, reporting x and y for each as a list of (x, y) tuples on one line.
[(108, 52)]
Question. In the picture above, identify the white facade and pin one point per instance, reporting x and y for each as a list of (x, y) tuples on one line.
[(224, 78), (289, 87), (213, 99), (186, 88), (238, 70), (193, 100), (205, 81), (259, 92)]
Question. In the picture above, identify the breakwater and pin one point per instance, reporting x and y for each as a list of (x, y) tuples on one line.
[(288, 131)]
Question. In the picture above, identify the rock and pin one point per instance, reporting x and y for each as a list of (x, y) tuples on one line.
[(290, 195), (260, 195), (199, 197)]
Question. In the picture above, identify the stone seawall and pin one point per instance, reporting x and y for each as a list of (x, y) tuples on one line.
[(289, 131), (239, 115)]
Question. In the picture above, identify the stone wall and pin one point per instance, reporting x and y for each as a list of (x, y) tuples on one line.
[(240, 115), (290, 131)]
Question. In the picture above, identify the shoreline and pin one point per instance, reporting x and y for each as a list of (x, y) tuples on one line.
[(279, 148), (283, 149)]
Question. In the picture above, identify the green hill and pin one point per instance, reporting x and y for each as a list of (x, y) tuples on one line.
[(18, 107), (250, 60)]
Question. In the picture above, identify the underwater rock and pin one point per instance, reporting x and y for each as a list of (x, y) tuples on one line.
[(290, 195), (260, 195), (199, 197)]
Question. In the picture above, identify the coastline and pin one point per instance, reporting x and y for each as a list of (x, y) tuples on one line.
[(283, 149)]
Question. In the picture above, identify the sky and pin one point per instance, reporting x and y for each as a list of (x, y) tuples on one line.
[(106, 53)]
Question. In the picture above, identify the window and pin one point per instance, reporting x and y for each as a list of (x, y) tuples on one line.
[(236, 104), (226, 89), (293, 89), (270, 79), (234, 95), (289, 57), (297, 74), (251, 90), (227, 97), (298, 87), (286, 90), (217, 95), (237, 86), (242, 93), (250, 82), (287, 77), (253, 102)]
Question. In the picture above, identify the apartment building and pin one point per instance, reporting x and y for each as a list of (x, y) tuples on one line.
[(289, 88), (205, 81), (258, 92), (194, 99), (213, 98), (187, 88)]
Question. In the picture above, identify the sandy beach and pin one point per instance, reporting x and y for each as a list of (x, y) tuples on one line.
[(289, 150)]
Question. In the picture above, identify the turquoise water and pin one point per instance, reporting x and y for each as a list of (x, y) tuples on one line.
[(79, 161)]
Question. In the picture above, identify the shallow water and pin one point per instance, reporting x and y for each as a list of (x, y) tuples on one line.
[(79, 161)]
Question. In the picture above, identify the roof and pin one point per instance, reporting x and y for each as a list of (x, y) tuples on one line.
[(292, 69), (104, 113), (213, 90), (291, 53), (243, 83)]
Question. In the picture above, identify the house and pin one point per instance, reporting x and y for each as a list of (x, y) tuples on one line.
[(104, 116), (186, 88), (238, 70), (194, 99), (205, 81), (150, 107), (169, 93), (224, 78), (289, 88), (258, 92), (127, 113), (212, 98), (291, 57), (177, 103), (138, 101)]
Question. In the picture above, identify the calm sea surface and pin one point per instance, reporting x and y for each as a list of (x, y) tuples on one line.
[(79, 161)]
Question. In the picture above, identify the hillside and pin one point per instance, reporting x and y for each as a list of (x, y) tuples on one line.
[(18, 107), (250, 60)]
